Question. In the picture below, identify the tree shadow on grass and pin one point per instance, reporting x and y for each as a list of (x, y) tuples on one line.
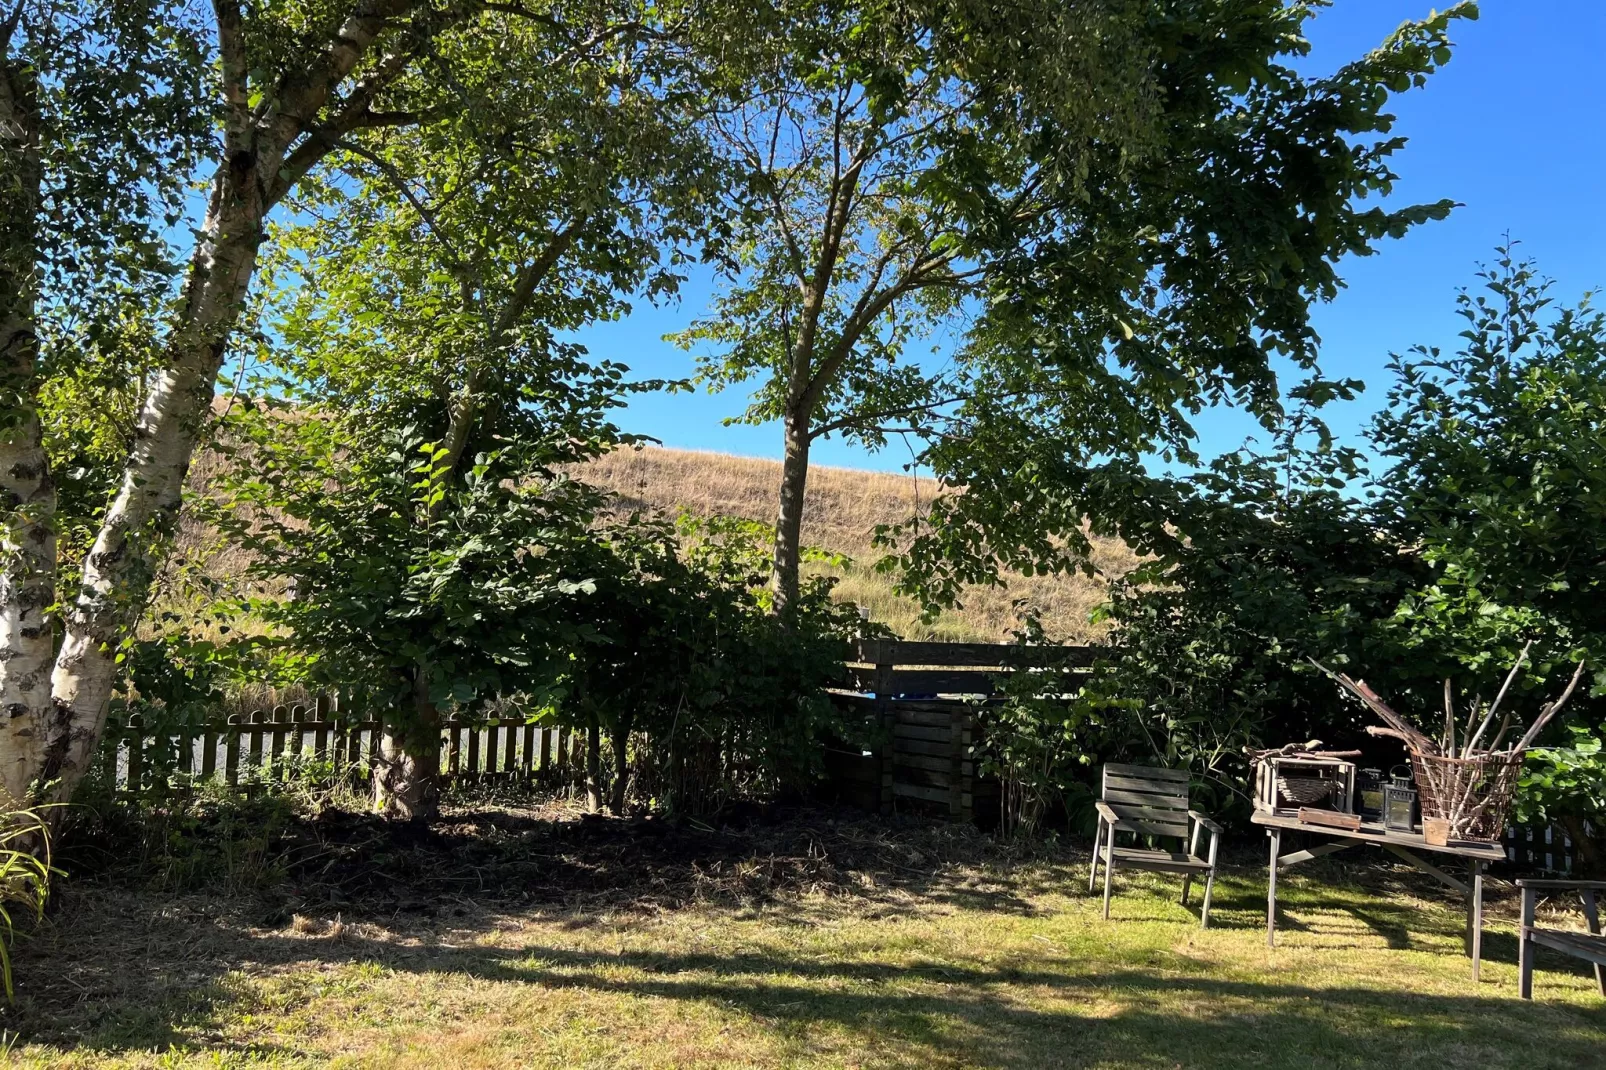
[(142, 975), (124, 971)]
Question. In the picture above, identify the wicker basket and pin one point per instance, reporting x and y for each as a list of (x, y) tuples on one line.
[(1472, 794), (1305, 790)]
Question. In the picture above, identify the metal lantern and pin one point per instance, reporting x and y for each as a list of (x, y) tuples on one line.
[(1399, 803)]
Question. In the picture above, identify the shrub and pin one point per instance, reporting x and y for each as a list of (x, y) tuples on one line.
[(1567, 786), (25, 873), (673, 645)]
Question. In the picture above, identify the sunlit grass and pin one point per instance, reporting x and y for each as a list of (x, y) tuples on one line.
[(974, 971)]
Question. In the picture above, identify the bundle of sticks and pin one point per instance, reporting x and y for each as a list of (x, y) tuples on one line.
[(1448, 747), (1463, 780)]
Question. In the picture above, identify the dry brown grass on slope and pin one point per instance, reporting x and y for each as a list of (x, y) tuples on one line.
[(841, 512)]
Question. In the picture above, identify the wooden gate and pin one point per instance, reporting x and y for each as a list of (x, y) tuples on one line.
[(929, 702)]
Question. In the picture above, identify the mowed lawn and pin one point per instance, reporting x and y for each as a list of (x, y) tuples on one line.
[(1009, 968)]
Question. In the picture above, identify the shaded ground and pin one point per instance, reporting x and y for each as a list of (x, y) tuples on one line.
[(363, 867), (531, 937)]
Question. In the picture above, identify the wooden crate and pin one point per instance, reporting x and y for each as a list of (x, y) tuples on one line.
[(1294, 767)]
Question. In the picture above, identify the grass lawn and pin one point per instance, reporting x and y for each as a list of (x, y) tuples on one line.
[(926, 963)]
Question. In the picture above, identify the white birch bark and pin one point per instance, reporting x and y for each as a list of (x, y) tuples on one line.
[(248, 180), (27, 492)]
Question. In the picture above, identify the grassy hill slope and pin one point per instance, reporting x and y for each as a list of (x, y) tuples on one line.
[(842, 509)]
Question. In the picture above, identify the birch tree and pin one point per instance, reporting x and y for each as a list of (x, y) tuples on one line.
[(291, 82), (102, 115)]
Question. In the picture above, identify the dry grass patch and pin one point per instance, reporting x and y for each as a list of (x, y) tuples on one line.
[(841, 511)]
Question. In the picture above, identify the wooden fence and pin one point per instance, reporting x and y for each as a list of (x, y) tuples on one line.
[(924, 699), (1531, 847), (318, 740)]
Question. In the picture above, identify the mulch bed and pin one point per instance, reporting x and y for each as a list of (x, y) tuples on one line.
[(549, 853)]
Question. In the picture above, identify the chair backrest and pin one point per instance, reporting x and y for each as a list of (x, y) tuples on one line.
[(1147, 799)]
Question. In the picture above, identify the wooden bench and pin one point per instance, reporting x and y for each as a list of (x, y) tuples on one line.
[(1149, 801), (1590, 946)]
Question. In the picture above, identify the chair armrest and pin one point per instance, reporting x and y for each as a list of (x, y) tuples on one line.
[(1214, 828), (1105, 812), (1562, 885)]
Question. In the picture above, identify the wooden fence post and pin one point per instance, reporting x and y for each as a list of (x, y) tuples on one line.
[(281, 717), (231, 750), (298, 717), (136, 754), (886, 715), (184, 741), (956, 763), (254, 752), (320, 739), (209, 750)]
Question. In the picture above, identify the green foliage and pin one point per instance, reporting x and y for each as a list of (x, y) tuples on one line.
[(25, 873), (1498, 471), (1565, 782), (173, 677), (205, 837), (1499, 474), (400, 468), (1269, 561), (1482, 535), (878, 145), (119, 92), (1040, 742), (461, 602), (673, 641), (1178, 281)]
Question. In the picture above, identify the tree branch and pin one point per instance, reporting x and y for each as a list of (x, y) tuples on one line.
[(464, 409), (399, 182), (1551, 710), (235, 77), (868, 308), (863, 419), (1489, 716)]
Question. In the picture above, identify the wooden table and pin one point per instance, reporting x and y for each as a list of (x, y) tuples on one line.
[(1402, 845)]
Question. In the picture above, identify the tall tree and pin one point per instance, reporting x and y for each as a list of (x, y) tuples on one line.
[(291, 83), (884, 143), (101, 117), (1180, 280), (433, 277), (1497, 473)]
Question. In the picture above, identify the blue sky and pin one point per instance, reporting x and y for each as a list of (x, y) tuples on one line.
[(1514, 128)]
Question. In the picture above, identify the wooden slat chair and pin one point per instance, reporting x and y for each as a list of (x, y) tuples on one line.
[(1590, 946), (1149, 801)]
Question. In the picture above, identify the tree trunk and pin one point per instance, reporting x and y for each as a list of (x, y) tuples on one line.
[(407, 775), (621, 766), (128, 549), (252, 175), (27, 491), (789, 514), (593, 767)]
